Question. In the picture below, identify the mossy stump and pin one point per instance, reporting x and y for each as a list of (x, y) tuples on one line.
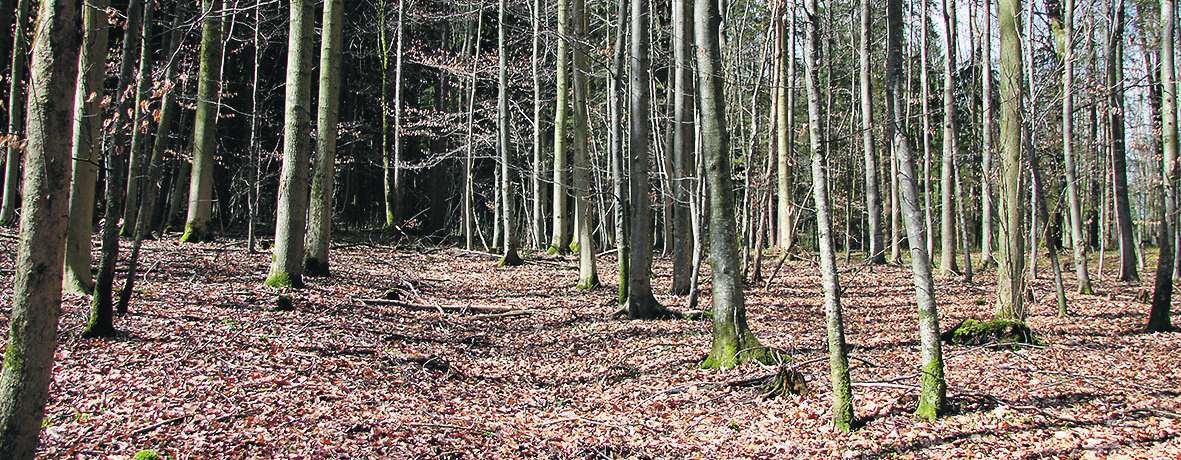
[(997, 331)]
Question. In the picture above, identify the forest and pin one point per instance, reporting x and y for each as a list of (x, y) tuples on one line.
[(589, 229)]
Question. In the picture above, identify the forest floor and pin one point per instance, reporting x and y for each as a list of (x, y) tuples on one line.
[(206, 367)]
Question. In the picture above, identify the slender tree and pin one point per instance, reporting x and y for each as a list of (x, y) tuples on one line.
[(1119, 162), (538, 153), (509, 256), (36, 292), (200, 205), (1158, 317), (137, 156), (733, 342), (615, 131), (287, 260), (947, 243), (16, 103), (785, 126), (588, 275), (842, 395), (1011, 262), (85, 145), (319, 237), (986, 150), (682, 144), (560, 237), (641, 304), (873, 200), (933, 392)]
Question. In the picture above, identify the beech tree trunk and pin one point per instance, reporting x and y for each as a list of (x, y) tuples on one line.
[(200, 206), (933, 391), (16, 103), (291, 216), (986, 166), (641, 304), (683, 136), (560, 236), (1011, 262), (947, 242), (319, 237), (1115, 85), (508, 198), (36, 293), (1158, 317), (873, 200)]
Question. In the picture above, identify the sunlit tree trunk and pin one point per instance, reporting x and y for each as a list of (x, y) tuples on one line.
[(560, 236), (986, 166), (291, 213), (785, 128), (927, 132), (947, 243), (538, 153), (319, 237), (200, 204), (683, 135), (16, 103), (1115, 86), (36, 292), (641, 304), (1158, 318), (509, 256), (933, 392), (1011, 262), (873, 200), (618, 162)]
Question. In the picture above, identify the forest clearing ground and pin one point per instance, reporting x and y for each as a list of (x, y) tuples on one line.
[(207, 368)]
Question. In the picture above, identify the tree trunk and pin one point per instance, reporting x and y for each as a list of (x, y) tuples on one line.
[(1158, 317), (986, 167), (1011, 264), (683, 136), (1115, 85), (36, 292), (733, 341), (16, 103), (136, 169), (469, 219), (100, 323), (86, 142), (618, 178), (200, 204), (873, 201), (538, 153), (291, 214), (507, 197), (560, 236), (927, 133), (947, 243), (932, 395), (785, 128), (842, 396), (319, 237), (641, 304)]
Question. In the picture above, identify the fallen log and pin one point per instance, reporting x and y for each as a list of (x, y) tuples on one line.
[(484, 311)]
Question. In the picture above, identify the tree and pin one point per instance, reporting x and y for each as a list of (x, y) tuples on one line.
[(16, 102), (615, 131), (842, 395), (947, 243), (933, 392), (100, 322), (785, 93), (538, 155), (287, 260), (508, 200), (641, 304), (986, 149), (733, 342), (560, 236), (319, 237), (873, 201), (682, 144), (85, 146), (1119, 162), (1064, 32), (36, 293), (588, 276), (1011, 264), (200, 206), (1158, 317)]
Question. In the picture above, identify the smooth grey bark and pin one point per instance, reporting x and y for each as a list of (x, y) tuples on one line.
[(986, 167), (136, 169), (291, 213), (1011, 262), (933, 390), (683, 137), (1119, 162), (509, 256), (947, 242), (36, 292), (16, 103), (469, 219), (538, 153), (560, 236), (641, 304), (1064, 36), (838, 360), (618, 162), (200, 204), (733, 341), (85, 146), (873, 200), (927, 133), (1158, 317), (319, 233), (785, 93)]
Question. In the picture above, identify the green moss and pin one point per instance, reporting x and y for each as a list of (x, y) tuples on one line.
[(147, 454), (194, 233), (933, 393), (13, 359), (510, 260), (588, 284), (728, 353), (552, 250), (283, 280), (574, 247), (995, 331)]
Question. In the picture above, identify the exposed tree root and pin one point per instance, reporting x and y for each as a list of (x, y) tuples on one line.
[(997, 331)]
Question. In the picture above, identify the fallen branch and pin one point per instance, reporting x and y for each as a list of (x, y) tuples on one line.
[(500, 311)]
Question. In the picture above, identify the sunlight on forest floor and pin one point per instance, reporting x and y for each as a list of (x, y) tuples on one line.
[(207, 367)]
